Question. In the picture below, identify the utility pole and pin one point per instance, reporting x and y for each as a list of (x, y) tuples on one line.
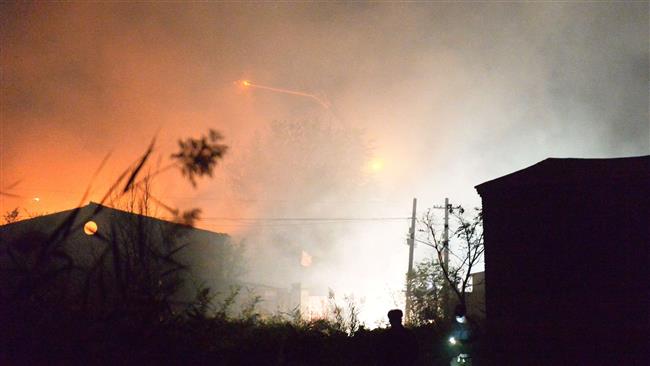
[(445, 254), (409, 275), (445, 257)]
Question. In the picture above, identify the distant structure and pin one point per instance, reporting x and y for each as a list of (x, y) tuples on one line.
[(296, 301), (567, 262), (474, 297), (95, 230)]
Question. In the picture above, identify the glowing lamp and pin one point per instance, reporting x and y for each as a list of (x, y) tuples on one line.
[(452, 340), (90, 228)]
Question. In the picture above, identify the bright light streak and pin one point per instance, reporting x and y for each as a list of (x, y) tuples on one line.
[(248, 84)]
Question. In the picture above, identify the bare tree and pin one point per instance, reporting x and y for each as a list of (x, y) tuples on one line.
[(299, 168), (465, 253)]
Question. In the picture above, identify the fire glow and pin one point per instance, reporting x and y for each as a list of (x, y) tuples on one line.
[(305, 259)]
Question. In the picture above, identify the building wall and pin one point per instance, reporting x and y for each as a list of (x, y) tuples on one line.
[(119, 237), (474, 298), (563, 269)]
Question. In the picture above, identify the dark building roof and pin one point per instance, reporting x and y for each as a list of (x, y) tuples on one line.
[(90, 211), (208, 255), (563, 171)]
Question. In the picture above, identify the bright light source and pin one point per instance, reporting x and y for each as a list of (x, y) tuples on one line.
[(452, 340), (37, 199), (305, 259), (244, 84), (90, 228), (376, 164)]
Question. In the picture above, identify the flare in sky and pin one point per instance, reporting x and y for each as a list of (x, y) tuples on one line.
[(248, 84)]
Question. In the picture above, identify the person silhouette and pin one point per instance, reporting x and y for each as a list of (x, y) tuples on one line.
[(399, 346)]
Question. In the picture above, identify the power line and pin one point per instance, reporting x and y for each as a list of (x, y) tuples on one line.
[(281, 220), (35, 191), (305, 218)]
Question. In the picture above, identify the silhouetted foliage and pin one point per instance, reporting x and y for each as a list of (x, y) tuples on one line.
[(198, 157), (11, 216), (139, 166), (426, 293), (55, 294), (119, 305), (189, 217)]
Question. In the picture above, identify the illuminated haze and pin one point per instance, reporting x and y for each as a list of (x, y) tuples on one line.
[(447, 96)]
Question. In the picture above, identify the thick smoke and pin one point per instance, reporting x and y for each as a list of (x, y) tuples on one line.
[(446, 95)]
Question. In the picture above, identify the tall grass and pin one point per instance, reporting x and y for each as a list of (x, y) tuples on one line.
[(120, 308)]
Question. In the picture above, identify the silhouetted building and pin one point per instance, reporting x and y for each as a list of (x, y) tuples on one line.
[(118, 248), (474, 297), (566, 262)]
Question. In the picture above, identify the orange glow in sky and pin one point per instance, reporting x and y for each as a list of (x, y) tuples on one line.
[(81, 81)]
